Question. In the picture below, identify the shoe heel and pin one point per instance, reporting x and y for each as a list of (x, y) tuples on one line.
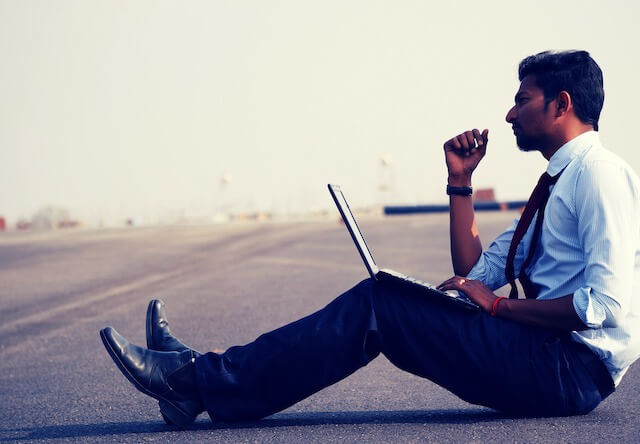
[(164, 417), (174, 416)]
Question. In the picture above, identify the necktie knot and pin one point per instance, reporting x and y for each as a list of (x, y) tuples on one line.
[(548, 179)]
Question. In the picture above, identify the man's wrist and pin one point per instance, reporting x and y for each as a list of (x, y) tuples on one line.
[(495, 304), (459, 181)]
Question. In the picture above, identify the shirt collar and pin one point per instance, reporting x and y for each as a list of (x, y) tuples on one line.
[(570, 150)]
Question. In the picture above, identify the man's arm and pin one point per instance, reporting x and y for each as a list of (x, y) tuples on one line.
[(462, 154), (607, 205), (558, 314)]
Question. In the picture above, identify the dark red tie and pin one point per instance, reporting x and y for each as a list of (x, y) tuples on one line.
[(536, 203)]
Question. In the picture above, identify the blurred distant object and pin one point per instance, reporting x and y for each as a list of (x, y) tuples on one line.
[(68, 224), (258, 216), (226, 179), (3, 224), (484, 195), (385, 159), (49, 218), (23, 224), (386, 178), (223, 203), (129, 222)]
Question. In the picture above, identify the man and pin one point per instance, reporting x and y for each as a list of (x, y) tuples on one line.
[(559, 351)]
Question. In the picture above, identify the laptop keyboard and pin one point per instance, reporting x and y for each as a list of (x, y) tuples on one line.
[(412, 280), (419, 282), (452, 294)]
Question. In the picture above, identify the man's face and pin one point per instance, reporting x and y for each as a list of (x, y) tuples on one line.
[(529, 119)]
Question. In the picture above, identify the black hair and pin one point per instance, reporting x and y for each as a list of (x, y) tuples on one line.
[(572, 71)]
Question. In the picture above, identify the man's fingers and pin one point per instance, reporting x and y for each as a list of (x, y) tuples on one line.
[(478, 137), (452, 144), (468, 142), (450, 285), (462, 139), (453, 283), (470, 139)]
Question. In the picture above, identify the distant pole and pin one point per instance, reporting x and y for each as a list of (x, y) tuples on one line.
[(225, 205), (385, 179)]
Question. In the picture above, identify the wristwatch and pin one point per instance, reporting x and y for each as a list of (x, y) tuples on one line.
[(459, 191)]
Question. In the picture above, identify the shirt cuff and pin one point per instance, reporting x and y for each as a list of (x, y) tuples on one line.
[(590, 311)]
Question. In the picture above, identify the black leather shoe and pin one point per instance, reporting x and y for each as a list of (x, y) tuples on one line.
[(168, 377), (159, 336)]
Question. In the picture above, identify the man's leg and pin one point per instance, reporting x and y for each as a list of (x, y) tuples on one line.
[(483, 360)]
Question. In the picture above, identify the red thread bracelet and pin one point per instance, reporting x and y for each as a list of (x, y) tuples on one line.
[(494, 307)]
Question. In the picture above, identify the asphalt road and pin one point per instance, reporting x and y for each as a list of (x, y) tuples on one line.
[(224, 285)]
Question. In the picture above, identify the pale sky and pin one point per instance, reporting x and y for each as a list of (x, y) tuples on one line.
[(118, 109)]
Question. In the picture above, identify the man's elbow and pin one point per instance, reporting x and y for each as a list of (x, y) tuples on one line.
[(601, 311)]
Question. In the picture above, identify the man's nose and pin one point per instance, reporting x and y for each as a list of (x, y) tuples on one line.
[(511, 115)]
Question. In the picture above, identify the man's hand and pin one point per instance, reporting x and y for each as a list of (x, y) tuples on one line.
[(475, 290), (463, 153)]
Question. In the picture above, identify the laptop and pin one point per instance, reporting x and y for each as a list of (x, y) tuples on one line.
[(386, 274)]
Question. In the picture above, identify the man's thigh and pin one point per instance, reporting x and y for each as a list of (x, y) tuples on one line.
[(482, 359)]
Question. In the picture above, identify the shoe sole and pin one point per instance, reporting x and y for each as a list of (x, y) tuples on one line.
[(168, 409)]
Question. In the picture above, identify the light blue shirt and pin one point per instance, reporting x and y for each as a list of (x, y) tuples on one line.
[(589, 247)]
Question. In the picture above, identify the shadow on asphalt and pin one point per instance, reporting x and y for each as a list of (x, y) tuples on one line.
[(279, 420)]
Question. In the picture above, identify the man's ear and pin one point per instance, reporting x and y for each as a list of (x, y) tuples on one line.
[(563, 103)]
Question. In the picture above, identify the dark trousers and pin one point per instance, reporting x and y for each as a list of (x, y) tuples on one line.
[(484, 360)]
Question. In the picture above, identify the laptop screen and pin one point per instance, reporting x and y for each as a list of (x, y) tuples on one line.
[(351, 224)]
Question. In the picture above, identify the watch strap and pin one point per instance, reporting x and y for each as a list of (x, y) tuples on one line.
[(459, 191)]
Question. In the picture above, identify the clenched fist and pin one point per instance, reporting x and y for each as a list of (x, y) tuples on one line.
[(463, 153)]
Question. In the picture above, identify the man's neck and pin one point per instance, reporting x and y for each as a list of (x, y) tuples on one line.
[(567, 135)]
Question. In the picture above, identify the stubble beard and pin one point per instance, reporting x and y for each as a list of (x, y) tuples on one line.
[(527, 144)]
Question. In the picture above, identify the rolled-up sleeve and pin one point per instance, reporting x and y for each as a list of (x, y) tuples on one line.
[(607, 214), (490, 266)]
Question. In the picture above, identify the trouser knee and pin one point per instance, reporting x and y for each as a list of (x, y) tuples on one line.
[(359, 300), (365, 288), (361, 306)]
